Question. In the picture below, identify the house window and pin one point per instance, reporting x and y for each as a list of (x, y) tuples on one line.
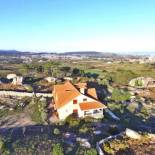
[(87, 113), (95, 111), (85, 99), (74, 101), (75, 111)]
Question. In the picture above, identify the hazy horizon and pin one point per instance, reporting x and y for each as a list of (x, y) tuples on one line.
[(66, 25), (115, 52)]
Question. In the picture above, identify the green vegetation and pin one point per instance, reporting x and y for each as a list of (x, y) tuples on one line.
[(126, 145), (114, 146), (84, 151), (57, 149), (120, 95), (56, 131), (109, 76), (84, 129), (3, 148), (138, 83), (72, 121), (38, 111)]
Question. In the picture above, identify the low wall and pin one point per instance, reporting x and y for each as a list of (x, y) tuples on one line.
[(23, 94)]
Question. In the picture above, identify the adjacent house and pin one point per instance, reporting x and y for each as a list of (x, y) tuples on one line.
[(16, 80), (76, 99)]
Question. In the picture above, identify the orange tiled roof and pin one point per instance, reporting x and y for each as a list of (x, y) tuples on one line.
[(64, 93), (92, 93), (91, 105)]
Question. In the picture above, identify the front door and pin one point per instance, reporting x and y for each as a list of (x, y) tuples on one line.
[(75, 112)]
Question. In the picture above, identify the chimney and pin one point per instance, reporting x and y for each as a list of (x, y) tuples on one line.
[(82, 91)]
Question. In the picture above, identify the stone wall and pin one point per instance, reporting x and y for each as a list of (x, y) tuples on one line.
[(23, 94)]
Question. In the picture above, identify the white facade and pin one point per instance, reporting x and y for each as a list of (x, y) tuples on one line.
[(69, 108)]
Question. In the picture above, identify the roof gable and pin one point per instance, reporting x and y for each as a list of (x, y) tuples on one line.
[(64, 93)]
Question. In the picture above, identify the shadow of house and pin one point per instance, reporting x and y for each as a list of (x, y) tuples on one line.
[(135, 120), (91, 75), (27, 135), (5, 80), (31, 80), (101, 90)]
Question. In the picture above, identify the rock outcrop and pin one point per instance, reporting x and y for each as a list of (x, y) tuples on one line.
[(142, 82)]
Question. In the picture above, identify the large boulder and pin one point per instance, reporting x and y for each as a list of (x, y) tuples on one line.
[(132, 134), (11, 76), (142, 82)]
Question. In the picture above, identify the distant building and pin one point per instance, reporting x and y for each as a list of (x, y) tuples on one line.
[(68, 78), (11, 76), (76, 99), (16, 80), (50, 79)]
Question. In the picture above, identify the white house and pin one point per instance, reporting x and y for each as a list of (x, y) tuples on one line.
[(76, 99), (16, 80)]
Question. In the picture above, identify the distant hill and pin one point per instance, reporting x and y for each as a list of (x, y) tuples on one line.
[(13, 52), (91, 54)]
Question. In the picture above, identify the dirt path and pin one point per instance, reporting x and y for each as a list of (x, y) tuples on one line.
[(17, 120)]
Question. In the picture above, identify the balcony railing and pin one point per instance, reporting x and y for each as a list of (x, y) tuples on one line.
[(96, 114)]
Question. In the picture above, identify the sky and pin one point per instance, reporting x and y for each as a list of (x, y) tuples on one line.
[(78, 25)]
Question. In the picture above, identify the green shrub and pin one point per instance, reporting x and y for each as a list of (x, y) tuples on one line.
[(84, 151), (72, 121), (144, 112), (89, 119), (57, 149), (113, 130), (107, 148), (56, 131), (120, 95), (3, 149), (84, 129), (138, 83), (1, 143), (39, 111), (90, 152)]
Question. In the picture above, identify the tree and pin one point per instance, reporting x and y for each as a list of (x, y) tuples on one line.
[(65, 69), (40, 69), (57, 149), (75, 72)]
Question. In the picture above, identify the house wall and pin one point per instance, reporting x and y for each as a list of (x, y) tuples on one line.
[(67, 109)]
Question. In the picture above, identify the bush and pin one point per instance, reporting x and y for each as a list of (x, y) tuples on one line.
[(56, 131), (89, 119), (90, 152), (1, 143), (144, 112), (84, 129), (120, 95), (39, 111), (3, 149), (113, 130), (83, 151), (108, 149), (57, 149), (72, 121), (114, 146)]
